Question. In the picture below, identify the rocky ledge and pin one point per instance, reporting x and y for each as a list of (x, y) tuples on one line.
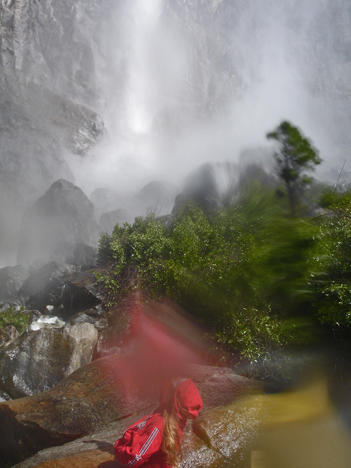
[(95, 398)]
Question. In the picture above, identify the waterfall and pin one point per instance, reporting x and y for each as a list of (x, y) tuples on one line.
[(140, 93)]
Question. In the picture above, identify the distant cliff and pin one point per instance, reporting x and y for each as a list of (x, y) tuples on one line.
[(48, 98), (178, 62)]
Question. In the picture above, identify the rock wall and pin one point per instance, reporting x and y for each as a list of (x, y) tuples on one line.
[(53, 43), (67, 66), (47, 75), (31, 364)]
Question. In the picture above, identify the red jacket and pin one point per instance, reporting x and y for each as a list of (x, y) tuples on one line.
[(141, 443)]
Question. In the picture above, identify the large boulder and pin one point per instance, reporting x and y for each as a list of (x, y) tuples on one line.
[(83, 337), (231, 430), (80, 292), (217, 386), (66, 294), (82, 255), (38, 360), (300, 428), (112, 340), (93, 395), (64, 214), (44, 286)]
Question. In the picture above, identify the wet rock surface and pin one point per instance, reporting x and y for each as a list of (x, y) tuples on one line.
[(96, 448), (8, 333), (299, 428), (94, 315), (113, 339), (219, 385), (90, 397), (93, 449), (54, 289), (63, 317), (38, 360), (43, 286), (81, 292)]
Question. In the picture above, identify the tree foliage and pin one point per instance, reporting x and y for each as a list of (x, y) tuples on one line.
[(295, 155), (334, 286), (259, 279), (243, 271)]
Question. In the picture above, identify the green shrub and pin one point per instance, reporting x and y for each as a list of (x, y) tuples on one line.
[(244, 271), (334, 286), (17, 319)]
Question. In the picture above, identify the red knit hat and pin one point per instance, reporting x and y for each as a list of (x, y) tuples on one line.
[(187, 400)]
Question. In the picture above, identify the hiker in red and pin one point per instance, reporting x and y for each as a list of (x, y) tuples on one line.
[(154, 441)]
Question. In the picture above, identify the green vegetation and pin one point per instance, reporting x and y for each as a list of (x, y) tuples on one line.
[(17, 319), (258, 278), (334, 287), (242, 271)]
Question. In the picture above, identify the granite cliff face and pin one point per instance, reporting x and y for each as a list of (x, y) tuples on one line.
[(63, 46), (48, 82), (154, 69), (53, 44)]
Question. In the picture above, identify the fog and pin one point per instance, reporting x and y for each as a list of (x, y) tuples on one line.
[(192, 82), (177, 83)]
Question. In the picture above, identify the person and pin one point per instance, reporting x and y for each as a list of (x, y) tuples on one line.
[(154, 441)]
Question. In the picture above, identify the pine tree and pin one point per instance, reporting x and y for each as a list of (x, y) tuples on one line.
[(294, 156)]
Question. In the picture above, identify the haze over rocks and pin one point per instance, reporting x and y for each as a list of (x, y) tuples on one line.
[(63, 215), (113, 95)]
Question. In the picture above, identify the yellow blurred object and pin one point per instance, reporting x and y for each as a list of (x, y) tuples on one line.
[(258, 459), (300, 429), (303, 404)]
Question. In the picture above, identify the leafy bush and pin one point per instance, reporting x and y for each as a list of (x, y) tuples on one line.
[(243, 271), (17, 319), (334, 304)]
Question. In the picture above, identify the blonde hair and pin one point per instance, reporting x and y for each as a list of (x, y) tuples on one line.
[(171, 438)]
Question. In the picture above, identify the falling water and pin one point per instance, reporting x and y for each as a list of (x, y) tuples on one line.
[(141, 102)]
